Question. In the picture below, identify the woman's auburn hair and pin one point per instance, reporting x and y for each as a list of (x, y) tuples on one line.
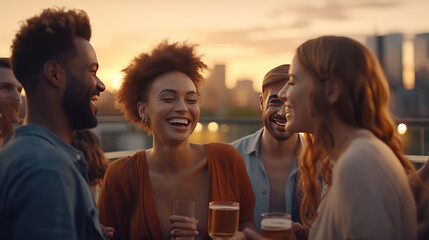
[(363, 102), (87, 142), (146, 67)]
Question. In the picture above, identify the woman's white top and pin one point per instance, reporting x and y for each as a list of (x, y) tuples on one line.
[(370, 197)]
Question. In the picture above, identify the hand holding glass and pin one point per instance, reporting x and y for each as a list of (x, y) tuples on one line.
[(185, 208)]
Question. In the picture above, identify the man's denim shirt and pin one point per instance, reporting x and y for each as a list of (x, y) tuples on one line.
[(44, 192), (248, 147)]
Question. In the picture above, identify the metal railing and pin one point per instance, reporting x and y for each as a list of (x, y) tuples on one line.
[(121, 138), (417, 160)]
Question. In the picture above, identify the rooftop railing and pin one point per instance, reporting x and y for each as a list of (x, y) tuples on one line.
[(121, 138)]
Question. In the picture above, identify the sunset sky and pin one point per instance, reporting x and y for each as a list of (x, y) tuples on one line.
[(249, 36)]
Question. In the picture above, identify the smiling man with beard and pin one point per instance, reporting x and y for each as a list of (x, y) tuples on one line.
[(271, 153), (44, 180), (10, 100)]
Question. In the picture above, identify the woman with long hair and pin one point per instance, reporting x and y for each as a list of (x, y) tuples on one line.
[(338, 93)]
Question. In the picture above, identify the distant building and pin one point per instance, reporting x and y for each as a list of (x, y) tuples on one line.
[(215, 94), (421, 66), (243, 95), (388, 49), (106, 105)]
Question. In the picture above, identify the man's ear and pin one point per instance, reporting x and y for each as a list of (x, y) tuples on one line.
[(333, 90), (261, 101), (54, 73)]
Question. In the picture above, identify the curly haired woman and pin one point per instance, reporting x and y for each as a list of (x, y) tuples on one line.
[(161, 94)]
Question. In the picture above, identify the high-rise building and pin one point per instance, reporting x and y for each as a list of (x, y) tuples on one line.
[(388, 49), (421, 66), (243, 95), (421, 53), (392, 59), (215, 94)]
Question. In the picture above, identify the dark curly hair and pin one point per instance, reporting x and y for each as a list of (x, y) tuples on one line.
[(143, 70), (87, 142), (48, 36)]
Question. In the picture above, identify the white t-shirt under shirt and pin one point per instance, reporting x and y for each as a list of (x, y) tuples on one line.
[(370, 197)]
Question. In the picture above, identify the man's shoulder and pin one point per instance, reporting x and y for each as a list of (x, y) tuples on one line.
[(31, 152), (31, 146), (242, 141), (246, 140), (28, 159)]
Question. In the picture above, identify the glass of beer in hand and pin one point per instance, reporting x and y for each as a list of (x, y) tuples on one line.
[(185, 208), (276, 226), (223, 219)]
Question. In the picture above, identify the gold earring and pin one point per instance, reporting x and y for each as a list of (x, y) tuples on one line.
[(144, 119)]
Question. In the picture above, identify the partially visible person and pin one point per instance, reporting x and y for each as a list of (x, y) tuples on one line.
[(338, 92), (424, 172), (421, 194), (10, 100), (43, 180), (161, 94), (271, 153), (87, 142)]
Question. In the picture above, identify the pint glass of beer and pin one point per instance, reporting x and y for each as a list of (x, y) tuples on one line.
[(276, 226), (223, 219), (185, 208)]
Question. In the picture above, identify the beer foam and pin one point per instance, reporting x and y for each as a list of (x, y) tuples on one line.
[(276, 223), (224, 207)]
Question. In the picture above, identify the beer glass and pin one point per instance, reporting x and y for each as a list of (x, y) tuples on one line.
[(223, 219), (276, 226), (185, 208)]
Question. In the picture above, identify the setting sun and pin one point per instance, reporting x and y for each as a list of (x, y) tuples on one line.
[(116, 81)]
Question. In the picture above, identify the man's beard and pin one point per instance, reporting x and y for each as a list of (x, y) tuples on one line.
[(9, 110), (79, 112), (279, 136), (77, 105)]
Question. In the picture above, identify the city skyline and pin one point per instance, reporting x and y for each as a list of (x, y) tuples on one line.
[(248, 37)]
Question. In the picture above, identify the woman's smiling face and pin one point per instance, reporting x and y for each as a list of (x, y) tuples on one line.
[(296, 94), (172, 107)]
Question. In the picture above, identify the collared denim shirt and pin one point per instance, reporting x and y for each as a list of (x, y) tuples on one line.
[(248, 147), (44, 191)]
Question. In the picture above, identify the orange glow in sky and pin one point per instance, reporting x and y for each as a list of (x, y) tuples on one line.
[(250, 37)]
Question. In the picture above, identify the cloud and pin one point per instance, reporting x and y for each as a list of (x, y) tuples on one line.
[(302, 23), (243, 38), (334, 12), (283, 39), (245, 35), (375, 4), (337, 10)]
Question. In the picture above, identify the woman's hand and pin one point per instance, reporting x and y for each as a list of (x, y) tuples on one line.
[(238, 236), (107, 231), (301, 232), (297, 229), (252, 234), (182, 226)]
